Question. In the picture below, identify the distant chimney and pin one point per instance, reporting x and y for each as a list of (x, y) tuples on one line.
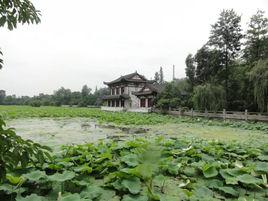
[(173, 72)]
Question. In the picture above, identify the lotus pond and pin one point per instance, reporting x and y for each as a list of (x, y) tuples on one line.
[(126, 156)]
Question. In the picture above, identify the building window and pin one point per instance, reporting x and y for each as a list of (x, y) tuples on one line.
[(109, 103), (150, 102), (142, 102), (122, 90), (117, 103), (112, 103), (122, 103), (117, 91), (113, 91)]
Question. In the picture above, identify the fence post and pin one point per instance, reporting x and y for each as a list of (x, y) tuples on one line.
[(246, 114), (224, 114), (192, 112)]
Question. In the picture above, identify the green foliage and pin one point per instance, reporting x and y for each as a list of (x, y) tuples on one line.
[(208, 96), (60, 97), (35, 103), (225, 37), (256, 38), (16, 152), (218, 62), (190, 69), (174, 95), (204, 171), (209, 65), (259, 77), (13, 12)]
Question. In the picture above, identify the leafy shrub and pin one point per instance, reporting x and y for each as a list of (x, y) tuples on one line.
[(16, 152), (148, 169)]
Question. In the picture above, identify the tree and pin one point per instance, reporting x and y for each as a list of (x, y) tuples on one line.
[(85, 96), (259, 77), (226, 37), (85, 91), (161, 76), (168, 97), (174, 95), (156, 77), (208, 65), (190, 69), (208, 96), (99, 95), (2, 96), (256, 38), (13, 12), (62, 96), (75, 98)]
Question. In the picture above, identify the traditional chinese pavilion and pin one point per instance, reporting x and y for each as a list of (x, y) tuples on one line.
[(132, 92)]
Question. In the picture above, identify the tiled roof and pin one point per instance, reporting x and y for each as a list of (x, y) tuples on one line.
[(153, 88), (128, 78)]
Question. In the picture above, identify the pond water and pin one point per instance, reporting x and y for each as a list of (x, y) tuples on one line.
[(66, 131), (59, 131)]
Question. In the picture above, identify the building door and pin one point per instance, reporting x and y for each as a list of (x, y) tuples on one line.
[(150, 102), (142, 102)]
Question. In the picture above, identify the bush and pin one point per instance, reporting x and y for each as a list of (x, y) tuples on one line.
[(35, 104)]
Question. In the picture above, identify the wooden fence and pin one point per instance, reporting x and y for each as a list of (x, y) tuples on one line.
[(251, 116)]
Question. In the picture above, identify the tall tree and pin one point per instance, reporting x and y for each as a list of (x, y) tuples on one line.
[(85, 93), (156, 77), (190, 69), (161, 76), (256, 38), (208, 65), (226, 37)]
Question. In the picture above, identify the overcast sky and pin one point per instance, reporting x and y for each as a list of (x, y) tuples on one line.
[(87, 42)]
